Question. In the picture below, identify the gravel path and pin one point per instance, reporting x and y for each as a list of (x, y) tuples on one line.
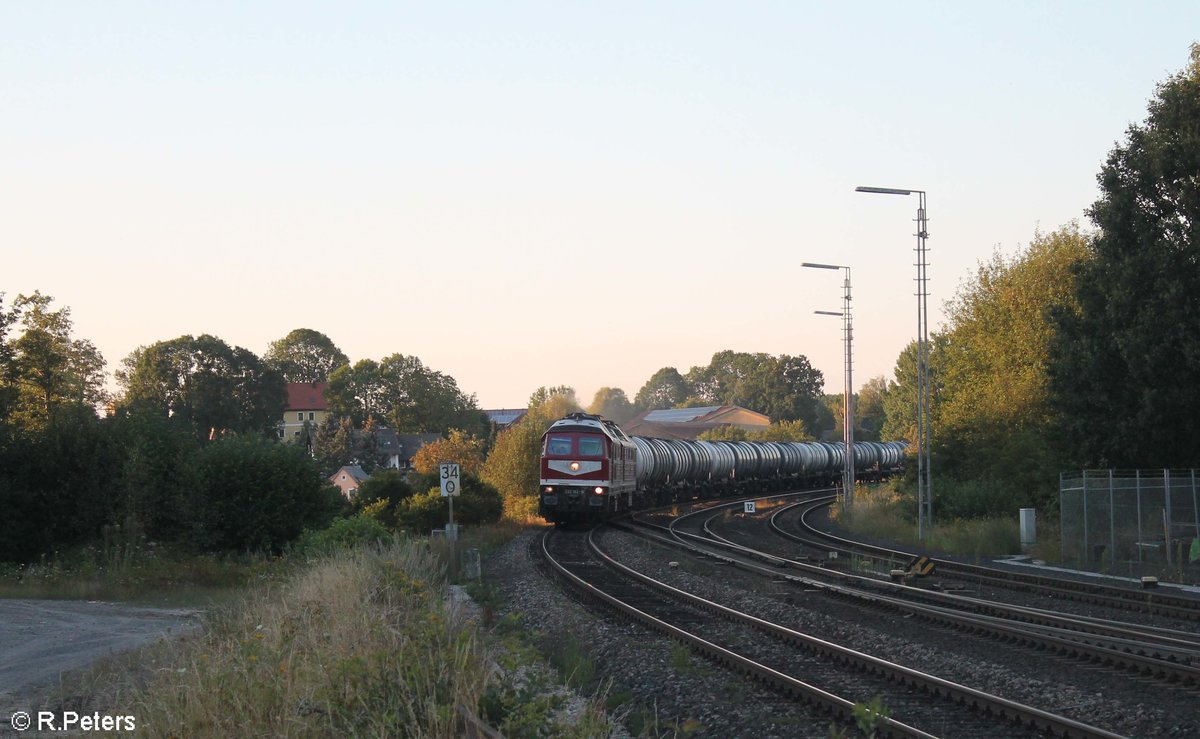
[(42, 639)]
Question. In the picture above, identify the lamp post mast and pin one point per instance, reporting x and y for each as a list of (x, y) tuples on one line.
[(924, 478), (848, 376)]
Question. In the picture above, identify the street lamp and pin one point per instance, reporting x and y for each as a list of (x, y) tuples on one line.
[(924, 492), (848, 405)]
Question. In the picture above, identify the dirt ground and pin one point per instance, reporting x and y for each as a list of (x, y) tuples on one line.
[(42, 639)]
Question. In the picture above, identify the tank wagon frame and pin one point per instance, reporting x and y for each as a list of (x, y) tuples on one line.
[(591, 470)]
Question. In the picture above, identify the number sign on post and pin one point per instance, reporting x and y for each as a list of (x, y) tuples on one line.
[(449, 474)]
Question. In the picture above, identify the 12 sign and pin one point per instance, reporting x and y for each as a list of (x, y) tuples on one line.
[(449, 475)]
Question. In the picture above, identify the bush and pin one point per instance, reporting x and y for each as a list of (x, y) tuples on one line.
[(479, 503), (344, 533), (259, 495)]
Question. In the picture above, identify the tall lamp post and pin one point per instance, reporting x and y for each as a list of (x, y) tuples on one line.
[(848, 405), (924, 492)]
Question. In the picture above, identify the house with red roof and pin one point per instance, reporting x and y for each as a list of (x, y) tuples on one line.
[(306, 409)]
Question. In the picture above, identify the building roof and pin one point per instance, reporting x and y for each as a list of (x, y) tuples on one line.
[(306, 396), (505, 416), (688, 423), (681, 415), (353, 470)]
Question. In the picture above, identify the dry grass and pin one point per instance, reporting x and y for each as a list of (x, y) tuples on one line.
[(360, 644)]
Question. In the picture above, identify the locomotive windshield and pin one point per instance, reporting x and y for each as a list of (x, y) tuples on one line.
[(591, 446), (558, 445)]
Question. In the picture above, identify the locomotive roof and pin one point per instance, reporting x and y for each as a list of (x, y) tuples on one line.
[(589, 422)]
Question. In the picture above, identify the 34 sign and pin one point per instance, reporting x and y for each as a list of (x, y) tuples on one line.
[(449, 476)]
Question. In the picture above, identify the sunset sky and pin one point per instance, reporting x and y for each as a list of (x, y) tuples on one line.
[(544, 193)]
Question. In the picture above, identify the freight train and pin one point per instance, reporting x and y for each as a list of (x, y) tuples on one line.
[(591, 470)]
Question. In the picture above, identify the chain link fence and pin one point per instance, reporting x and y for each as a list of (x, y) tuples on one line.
[(1130, 521)]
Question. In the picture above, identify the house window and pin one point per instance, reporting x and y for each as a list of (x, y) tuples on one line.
[(300, 416), (297, 434), (312, 416)]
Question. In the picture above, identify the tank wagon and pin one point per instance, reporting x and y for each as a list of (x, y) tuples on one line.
[(591, 470)]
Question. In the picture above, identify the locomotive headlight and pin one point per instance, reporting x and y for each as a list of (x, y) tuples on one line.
[(574, 466), (599, 491), (549, 489)]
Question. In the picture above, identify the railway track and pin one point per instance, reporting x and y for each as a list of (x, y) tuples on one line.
[(1163, 654), (796, 664), (1155, 602)]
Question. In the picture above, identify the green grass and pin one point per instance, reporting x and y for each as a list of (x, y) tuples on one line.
[(156, 576), (879, 512)]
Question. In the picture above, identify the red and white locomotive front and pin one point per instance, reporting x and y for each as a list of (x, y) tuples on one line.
[(587, 470)]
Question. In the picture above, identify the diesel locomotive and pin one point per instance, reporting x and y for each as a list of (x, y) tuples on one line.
[(591, 470)]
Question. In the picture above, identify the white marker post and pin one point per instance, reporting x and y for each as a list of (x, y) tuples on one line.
[(749, 506), (449, 474)]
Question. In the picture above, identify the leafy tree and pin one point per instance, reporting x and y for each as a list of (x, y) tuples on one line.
[(724, 433), (992, 419), (333, 444), (204, 383), (869, 412), (404, 392), (49, 368), (512, 465), (8, 386), (612, 403), (665, 389), (783, 431), (356, 392), (785, 388), (1123, 365), (900, 401), (465, 449), (56, 484), (547, 405), (305, 355)]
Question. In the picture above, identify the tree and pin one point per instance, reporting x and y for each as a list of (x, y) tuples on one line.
[(785, 388), (8, 386), (992, 419), (900, 401), (356, 392), (406, 394), (548, 404), (49, 368), (512, 465), (305, 355), (869, 413), (612, 403), (465, 449), (1123, 365), (665, 389), (205, 384)]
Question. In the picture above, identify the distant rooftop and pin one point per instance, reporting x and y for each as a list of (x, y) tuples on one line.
[(680, 415), (505, 416), (306, 396)]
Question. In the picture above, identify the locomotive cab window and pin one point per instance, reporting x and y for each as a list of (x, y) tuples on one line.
[(558, 445), (591, 446)]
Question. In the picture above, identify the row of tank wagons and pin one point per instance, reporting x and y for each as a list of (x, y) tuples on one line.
[(674, 461)]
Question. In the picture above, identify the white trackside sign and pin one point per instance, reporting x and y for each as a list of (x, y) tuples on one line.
[(449, 475)]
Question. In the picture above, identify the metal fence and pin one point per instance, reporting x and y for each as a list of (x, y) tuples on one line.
[(1123, 520)]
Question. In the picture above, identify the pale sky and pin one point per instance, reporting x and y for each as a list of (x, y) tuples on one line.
[(545, 193)]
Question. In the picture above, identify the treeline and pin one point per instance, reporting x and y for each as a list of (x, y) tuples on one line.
[(1084, 350)]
